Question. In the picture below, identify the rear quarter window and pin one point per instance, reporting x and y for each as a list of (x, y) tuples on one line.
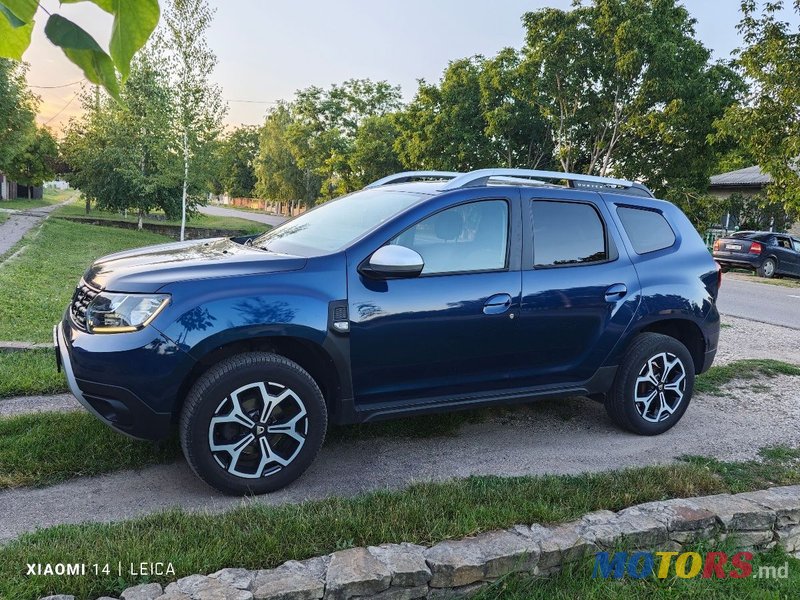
[(647, 230)]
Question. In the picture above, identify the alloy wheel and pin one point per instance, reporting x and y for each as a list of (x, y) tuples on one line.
[(258, 430), (660, 387)]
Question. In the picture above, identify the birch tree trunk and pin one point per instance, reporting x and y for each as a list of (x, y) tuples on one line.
[(185, 181)]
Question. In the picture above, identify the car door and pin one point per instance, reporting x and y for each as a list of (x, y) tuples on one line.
[(788, 262), (450, 330), (796, 248), (580, 290)]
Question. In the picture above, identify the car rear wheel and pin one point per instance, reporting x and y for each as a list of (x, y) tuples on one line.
[(252, 423), (767, 268), (653, 386)]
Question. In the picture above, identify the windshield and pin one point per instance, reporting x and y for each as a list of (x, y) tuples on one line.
[(335, 224)]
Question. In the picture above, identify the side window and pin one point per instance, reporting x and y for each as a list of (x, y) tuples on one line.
[(567, 233), (784, 242), (648, 230), (796, 244), (469, 237)]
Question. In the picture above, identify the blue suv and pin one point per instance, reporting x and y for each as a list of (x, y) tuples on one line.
[(425, 292)]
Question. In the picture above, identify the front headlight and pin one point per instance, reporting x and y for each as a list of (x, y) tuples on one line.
[(118, 313)]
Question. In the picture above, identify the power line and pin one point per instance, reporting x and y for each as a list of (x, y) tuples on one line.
[(56, 87), (255, 101), (75, 95)]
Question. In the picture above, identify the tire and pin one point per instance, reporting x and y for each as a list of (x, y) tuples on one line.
[(649, 357), (255, 395), (767, 268)]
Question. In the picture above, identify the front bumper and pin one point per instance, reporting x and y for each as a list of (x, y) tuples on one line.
[(117, 400)]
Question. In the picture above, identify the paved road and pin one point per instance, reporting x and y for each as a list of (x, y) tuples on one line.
[(762, 302), (20, 222), (220, 211)]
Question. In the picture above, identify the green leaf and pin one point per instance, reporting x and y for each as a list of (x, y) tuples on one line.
[(14, 40), (106, 5), (84, 51), (134, 21), (19, 12)]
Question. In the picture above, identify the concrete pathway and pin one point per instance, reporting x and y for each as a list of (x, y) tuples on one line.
[(221, 211), (21, 222), (23, 405)]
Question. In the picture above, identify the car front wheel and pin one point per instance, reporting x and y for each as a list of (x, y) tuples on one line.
[(252, 423), (653, 385)]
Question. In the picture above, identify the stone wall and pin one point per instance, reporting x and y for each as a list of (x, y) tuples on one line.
[(459, 568)]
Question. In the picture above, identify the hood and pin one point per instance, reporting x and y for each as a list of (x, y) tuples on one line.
[(150, 268)]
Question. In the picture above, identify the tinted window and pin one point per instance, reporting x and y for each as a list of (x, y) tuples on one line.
[(648, 230), (750, 235), (784, 242), (470, 237), (566, 233), (796, 244)]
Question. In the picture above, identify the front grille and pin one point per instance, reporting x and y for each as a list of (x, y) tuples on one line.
[(83, 296)]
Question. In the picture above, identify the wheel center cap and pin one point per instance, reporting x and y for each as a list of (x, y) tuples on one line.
[(259, 430), (660, 387)]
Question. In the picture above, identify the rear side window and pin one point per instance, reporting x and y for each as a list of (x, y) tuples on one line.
[(567, 233), (648, 230)]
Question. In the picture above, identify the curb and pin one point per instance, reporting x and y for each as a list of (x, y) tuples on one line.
[(460, 568)]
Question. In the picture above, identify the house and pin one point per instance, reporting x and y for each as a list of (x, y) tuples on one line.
[(747, 182)]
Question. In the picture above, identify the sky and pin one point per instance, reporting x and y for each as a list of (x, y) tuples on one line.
[(267, 50)]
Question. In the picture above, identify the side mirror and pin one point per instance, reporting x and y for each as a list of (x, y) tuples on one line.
[(394, 262)]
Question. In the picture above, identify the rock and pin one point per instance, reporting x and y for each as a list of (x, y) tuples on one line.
[(736, 513), (288, 582), (241, 579), (402, 593), (507, 552), (455, 563), (58, 597), (355, 572), (676, 515), (406, 562), (761, 540), (783, 501), (108, 598), (466, 591), (200, 587), (557, 545), (788, 538), (146, 591)]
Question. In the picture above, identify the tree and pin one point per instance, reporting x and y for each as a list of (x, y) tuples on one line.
[(767, 124), (34, 164), (443, 126), (123, 155), (200, 108), (236, 159), (373, 155), (17, 112), (134, 21), (612, 73), (278, 175)]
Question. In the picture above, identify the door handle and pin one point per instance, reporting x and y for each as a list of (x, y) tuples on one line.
[(615, 292), (497, 304)]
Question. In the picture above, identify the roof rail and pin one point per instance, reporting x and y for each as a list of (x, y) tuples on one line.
[(406, 176), (577, 180)]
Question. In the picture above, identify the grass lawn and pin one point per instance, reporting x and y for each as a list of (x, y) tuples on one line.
[(78, 209), (50, 197), (36, 286), (3, 217), (745, 275), (31, 455), (711, 381), (30, 372), (261, 536)]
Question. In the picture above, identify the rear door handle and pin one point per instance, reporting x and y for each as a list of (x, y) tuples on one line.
[(615, 292), (497, 304)]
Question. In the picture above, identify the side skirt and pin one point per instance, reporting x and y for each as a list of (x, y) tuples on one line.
[(349, 413)]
